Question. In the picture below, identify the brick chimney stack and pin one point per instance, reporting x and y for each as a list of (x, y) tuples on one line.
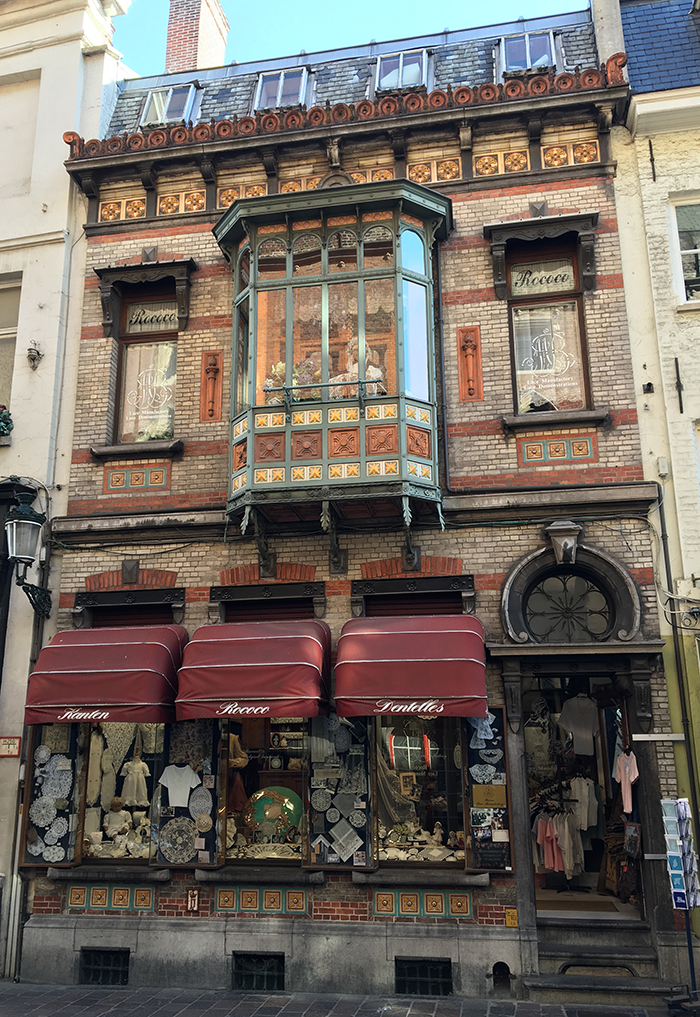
[(197, 31)]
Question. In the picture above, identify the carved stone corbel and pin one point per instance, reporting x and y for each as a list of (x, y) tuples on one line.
[(147, 172), (513, 693), (498, 253), (534, 133), (466, 139), (398, 144), (640, 673), (269, 160)]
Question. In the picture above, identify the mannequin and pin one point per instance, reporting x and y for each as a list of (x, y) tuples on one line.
[(134, 790)]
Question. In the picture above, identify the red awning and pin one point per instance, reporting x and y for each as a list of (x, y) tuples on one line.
[(428, 664), (255, 669), (126, 674)]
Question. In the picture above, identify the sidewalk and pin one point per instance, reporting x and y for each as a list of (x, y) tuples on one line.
[(87, 1001)]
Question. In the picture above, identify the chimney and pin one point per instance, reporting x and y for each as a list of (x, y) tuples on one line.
[(197, 31)]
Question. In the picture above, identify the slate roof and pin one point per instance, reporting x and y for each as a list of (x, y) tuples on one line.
[(662, 42), (347, 75)]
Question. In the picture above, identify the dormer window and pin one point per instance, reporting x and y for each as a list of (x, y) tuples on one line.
[(400, 70), (281, 88), (530, 51), (169, 105)]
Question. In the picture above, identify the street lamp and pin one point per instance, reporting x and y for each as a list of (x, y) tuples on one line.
[(22, 528)]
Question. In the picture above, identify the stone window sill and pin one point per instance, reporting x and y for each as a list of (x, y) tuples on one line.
[(406, 876), (139, 450), (692, 307), (118, 874), (249, 874), (566, 418)]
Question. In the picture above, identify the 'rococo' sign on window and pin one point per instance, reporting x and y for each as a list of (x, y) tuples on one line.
[(154, 316), (535, 277)]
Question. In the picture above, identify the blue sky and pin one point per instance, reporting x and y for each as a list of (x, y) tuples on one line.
[(280, 30)]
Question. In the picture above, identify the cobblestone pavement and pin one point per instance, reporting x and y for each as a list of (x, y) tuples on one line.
[(20, 1000)]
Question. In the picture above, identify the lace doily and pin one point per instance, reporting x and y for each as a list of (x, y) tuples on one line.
[(57, 781), (482, 773), (200, 801), (320, 799), (42, 811), (42, 754), (177, 840), (332, 815), (491, 755), (357, 818), (36, 848), (59, 826), (54, 853)]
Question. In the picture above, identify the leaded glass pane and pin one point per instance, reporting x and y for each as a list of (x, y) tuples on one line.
[(565, 608)]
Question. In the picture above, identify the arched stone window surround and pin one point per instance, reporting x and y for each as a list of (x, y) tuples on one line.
[(603, 569)]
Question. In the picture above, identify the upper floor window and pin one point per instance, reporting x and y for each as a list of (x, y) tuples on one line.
[(147, 367), (529, 51), (9, 316), (401, 70), (688, 220), (327, 313), (169, 105), (281, 88), (544, 294)]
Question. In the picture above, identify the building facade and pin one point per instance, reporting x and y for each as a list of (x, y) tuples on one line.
[(355, 387), (56, 67)]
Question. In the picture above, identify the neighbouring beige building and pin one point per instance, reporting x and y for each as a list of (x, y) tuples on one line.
[(657, 189), (57, 67)]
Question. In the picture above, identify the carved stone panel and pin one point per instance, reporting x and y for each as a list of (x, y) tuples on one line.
[(269, 448), (380, 439), (418, 442), (307, 445), (240, 455), (343, 442)]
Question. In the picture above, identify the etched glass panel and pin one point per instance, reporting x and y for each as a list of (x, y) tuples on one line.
[(271, 346), (380, 337), (307, 352), (306, 255), (342, 252), (272, 260), (548, 361), (532, 278), (148, 391)]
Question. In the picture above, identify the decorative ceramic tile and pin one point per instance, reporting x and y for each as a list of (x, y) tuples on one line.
[(381, 439), (98, 896), (434, 903), (307, 444), (275, 227), (227, 196), (448, 169), (304, 417), (240, 481), (377, 216), (225, 900), (485, 165), (307, 224), (269, 419), (384, 902), (460, 904), (516, 162), (383, 411), (587, 151), (126, 208), (342, 416), (77, 896), (382, 174), (240, 428), (169, 204), (341, 471), (296, 900), (110, 211), (359, 178), (143, 898), (141, 478), (239, 456), (195, 201), (269, 447), (121, 897), (312, 183), (418, 442), (419, 470), (289, 186), (275, 476), (411, 220), (307, 473), (250, 900), (582, 448), (383, 468), (256, 191), (409, 904), (272, 900), (555, 156), (420, 173), (343, 442), (341, 220)]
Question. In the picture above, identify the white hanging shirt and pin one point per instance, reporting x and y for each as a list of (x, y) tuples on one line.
[(579, 717), (179, 781)]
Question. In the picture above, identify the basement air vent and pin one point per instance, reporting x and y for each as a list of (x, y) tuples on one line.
[(427, 977), (104, 967), (258, 972)]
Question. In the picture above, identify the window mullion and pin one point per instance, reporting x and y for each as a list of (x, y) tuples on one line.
[(400, 82), (528, 62), (280, 86)]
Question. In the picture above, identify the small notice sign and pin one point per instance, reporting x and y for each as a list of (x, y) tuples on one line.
[(9, 745), (511, 918)]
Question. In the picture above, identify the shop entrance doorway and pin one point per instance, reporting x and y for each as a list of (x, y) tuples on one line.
[(585, 822)]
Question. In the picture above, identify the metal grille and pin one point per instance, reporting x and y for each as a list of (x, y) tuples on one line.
[(262, 972), (104, 967), (423, 977)]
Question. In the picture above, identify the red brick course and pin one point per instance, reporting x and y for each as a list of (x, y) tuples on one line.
[(391, 567), (149, 579)]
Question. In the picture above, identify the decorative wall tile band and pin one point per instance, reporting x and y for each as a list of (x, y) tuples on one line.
[(418, 413), (412, 220), (420, 904), (261, 901), (579, 448), (274, 476), (383, 468), (435, 169), (304, 417), (269, 419), (142, 478), (306, 224), (570, 154), (240, 481), (341, 416), (307, 473), (420, 470), (494, 163), (111, 898), (275, 227), (341, 471), (240, 428), (126, 208), (382, 412), (184, 201)]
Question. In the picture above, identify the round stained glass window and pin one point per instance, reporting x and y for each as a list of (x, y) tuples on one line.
[(565, 607)]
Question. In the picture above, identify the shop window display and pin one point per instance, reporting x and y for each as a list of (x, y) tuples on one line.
[(55, 768)]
